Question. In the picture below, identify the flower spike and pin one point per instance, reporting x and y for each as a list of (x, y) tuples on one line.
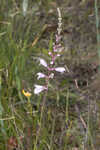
[(54, 54)]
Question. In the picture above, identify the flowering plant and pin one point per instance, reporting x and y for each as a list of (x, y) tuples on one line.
[(56, 52)]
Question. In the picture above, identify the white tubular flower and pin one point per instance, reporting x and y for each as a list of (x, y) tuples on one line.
[(60, 69), (43, 62), (39, 88), (40, 75)]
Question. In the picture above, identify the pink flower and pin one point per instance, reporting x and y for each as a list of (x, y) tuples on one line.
[(43, 62), (60, 69), (39, 88), (40, 75)]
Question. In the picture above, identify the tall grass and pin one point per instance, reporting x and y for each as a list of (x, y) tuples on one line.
[(97, 27)]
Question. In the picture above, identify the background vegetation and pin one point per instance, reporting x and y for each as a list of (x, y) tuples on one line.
[(70, 118)]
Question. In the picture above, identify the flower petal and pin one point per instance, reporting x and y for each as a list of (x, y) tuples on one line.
[(60, 69), (27, 94), (39, 88), (43, 62), (40, 75)]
